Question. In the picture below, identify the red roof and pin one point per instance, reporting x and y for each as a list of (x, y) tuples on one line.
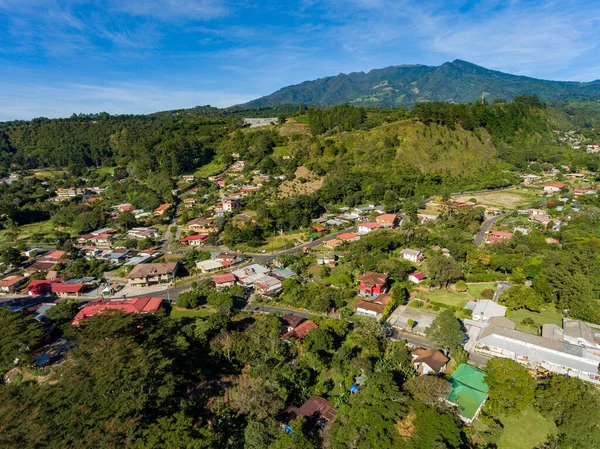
[(135, 305), (319, 228), (419, 275), (347, 236), (370, 225), (558, 186), (65, 288), (38, 286), (223, 278), (126, 207), (501, 234), (201, 237), (302, 330), (55, 255)]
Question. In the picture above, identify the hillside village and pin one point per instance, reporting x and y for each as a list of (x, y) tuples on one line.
[(456, 280)]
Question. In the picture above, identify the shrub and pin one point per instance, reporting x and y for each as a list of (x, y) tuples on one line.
[(461, 286), (416, 304), (468, 312), (488, 293), (528, 321), (411, 323)]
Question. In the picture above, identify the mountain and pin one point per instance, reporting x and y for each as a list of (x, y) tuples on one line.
[(457, 81)]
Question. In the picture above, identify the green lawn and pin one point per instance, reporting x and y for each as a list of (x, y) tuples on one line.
[(526, 430), (105, 170), (213, 168), (191, 313), (476, 289), (281, 151), (45, 228), (446, 297), (548, 316)]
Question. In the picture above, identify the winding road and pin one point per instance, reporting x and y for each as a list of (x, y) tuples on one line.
[(485, 227)]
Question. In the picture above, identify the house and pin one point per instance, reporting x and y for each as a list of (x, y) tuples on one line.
[(291, 322), (498, 236), (224, 280), (143, 233), (523, 231), (424, 218), (387, 220), (10, 284), (374, 308), (572, 356), (160, 210), (333, 243), (208, 266), (146, 274), (188, 178), (579, 192), (373, 284), (348, 237), (318, 228), (56, 255), (553, 188), (194, 240), (317, 412), (247, 276), (38, 287), (301, 331), (365, 228), (201, 225), (189, 202), (268, 285), (231, 204), (66, 290), (327, 259), (469, 392), (427, 361), (416, 277), (414, 255), (486, 309), (552, 241), (446, 252), (135, 305), (126, 207)]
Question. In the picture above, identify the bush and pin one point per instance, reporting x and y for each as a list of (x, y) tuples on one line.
[(188, 300), (528, 321), (461, 286), (488, 293), (416, 304), (468, 312)]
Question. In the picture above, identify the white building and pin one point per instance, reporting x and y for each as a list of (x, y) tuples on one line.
[(486, 309), (414, 255)]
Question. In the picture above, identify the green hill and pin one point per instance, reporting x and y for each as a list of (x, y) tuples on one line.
[(456, 82)]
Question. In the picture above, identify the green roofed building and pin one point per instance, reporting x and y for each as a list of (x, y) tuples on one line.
[(469, 391)]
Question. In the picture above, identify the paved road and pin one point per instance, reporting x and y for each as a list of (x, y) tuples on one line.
[(485, 227), (261, 308)]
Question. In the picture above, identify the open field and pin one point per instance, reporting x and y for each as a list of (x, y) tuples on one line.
[(476, 289), (510, 199), (44, 228), (454, 299), (281, 151), (272, 243), (547, 316), (526, 430), (202, 312), (291, 126), (306, 182), (105, 170), (213, 168)]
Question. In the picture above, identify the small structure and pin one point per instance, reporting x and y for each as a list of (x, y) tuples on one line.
[(201, 225), (10, 284), (469, 392), (387, 220), (373, 284), (316, 410), (318, 228), (374, 308), (160, 210), (498, 236), (194, 240), (486, 309), (416, 277), (427, 361), (291, 322), (365, 228), (349, 237), (301, 331), (333, 243), (224, 280), (553, 188), (66, 290), (414, 255)]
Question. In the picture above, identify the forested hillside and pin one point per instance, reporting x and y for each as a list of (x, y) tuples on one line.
[(457, 81)]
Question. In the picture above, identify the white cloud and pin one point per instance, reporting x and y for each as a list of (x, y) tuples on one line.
[(62, 100)]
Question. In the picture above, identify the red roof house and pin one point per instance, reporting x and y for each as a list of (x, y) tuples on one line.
[(373, 284), (319, 228), (38, 287), (302, 330), (349, 237), (66, 289), (135, 305), (387, 220), (372, 308), (224, 280), (416, 277), (194, 240), (57, 255)]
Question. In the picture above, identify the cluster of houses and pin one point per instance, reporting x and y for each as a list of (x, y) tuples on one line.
[(264, 281), (364, 227)]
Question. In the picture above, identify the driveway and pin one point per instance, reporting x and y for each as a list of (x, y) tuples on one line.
[(422, 319)]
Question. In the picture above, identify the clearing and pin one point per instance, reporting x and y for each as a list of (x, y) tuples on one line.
[(203, 312), (305, 183), (526, 430), (273, 243), (547, 316), (291, 126), (511, 199), (41, 228), (212, 168), (454, 299)]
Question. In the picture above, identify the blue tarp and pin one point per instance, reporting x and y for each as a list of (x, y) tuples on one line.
[(42, 359)]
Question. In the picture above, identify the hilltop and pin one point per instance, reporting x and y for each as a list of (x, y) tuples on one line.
[(456, 82)]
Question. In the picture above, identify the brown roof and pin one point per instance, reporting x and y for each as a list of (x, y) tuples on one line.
[(152, 269), (372, 278), (201, 221), (501, 321), (315, 408), (302, 330), (434, 358), (386, 218), (377, 305), (292, 320), (11, 280)]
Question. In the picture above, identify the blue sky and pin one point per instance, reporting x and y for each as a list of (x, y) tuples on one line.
[(58, 57)]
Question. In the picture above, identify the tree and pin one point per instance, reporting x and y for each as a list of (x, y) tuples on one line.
[(444, 270), (221, 301), (20, 335), (12, 256), (64, 311), (511, 388), (127, 220), (446, 331), (521, 297), (430, 390)]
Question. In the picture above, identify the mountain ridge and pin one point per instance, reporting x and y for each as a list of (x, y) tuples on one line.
[(458, 81)]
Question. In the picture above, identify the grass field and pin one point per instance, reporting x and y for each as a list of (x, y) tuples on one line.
[(548, 316), (213, 168), (44, 228), (476, 289), (191, 313), (272, 243), (281, 151), (105, 170), (526, 430), (446, 297), (506, 198)]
